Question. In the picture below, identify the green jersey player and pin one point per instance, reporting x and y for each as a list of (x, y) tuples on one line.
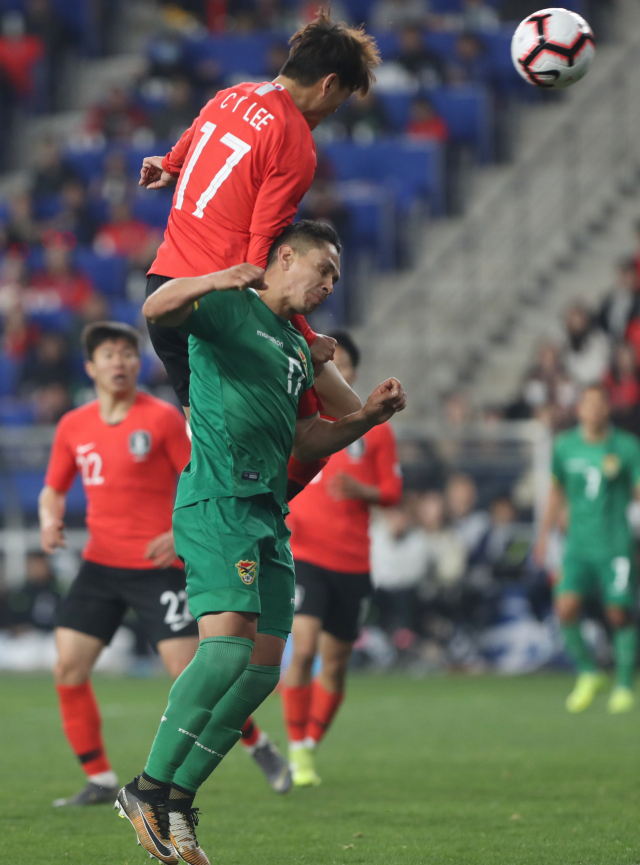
[(596, 474), (252, 405)]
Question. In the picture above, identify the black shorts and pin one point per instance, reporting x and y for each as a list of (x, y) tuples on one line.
[(339, 600), (171, 346), (100, 596)]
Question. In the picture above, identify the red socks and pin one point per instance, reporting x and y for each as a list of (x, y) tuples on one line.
[(324, 705), (295, 708), (309, 710), (250, 734), (81, 724)]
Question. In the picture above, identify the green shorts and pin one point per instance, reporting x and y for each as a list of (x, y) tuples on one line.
[(238, 559), (613, 577)]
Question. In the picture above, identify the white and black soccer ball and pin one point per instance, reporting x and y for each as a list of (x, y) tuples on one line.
[(553, 48)]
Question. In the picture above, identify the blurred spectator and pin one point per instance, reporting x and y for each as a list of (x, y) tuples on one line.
[(323, 203), (623, 303), (75, 215), (46, 363), (22, 228), (117, 117), (623, 384), (51, 402), (364, 118), (469, 524), (114, 184), (35, 603), (425, 124), (418, 60), (517, 10), (20, 53), (547, 382), (458, 411), (586, 352), (13, 279), (178, 114), (399, 561), (446, 552), (60, 285), (51, 172), (18, 334), (478, 15), (125, 235), (504, 548), (394, 14), (470, 63)]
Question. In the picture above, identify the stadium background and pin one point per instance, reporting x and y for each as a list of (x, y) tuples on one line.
[(492, 262)]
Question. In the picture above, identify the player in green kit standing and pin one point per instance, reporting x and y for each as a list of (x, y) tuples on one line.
[(596, 473), (252, 405)]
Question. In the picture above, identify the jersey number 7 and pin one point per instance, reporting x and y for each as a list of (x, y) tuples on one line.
[(238, 150)]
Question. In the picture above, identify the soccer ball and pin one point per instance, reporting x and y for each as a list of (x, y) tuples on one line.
[(553, 48)]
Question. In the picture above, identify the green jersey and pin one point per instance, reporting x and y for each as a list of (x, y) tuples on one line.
[(598, 479), (249, 370)]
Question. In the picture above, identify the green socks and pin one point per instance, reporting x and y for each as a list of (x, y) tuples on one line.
[(227, 720), (217, 664), (625, 649), (577, 649)]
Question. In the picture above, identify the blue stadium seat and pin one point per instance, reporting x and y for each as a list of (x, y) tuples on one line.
[(233, 53), (412, 169), (127, 312), (372, 209), (15, 412), (87, 163), (59, 320), (135, 155), (108, 273), (467, 110), (8, 375), (28, 484), (46, 206), (153, 207)]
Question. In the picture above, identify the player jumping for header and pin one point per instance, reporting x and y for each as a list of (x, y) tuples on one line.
[(252, 403), (596, 471)]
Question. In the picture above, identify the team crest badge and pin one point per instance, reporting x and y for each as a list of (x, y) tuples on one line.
[(140, 443), (303, 361), (611, 466), (247, 571)]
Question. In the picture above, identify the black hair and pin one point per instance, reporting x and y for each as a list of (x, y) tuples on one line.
[(345, 341), (98, 332), (596, 385), (304, 234), (325, 46)]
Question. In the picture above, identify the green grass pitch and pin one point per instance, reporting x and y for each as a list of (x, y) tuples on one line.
[(480, 771)]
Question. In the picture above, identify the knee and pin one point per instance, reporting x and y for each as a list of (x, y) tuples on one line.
[(617, 617), (69, 672), (567, 610), (303, 658), (334, 672)]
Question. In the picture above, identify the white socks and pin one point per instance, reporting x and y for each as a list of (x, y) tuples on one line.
[(105, 779)]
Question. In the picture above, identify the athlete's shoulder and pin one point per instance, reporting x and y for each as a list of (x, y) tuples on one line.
[(625, 439)]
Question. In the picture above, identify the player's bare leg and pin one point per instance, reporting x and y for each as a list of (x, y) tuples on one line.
[(177, 654), (77, 654)]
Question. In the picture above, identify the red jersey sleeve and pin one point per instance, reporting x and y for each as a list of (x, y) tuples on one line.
[(387, 468), (62, 466), (174, 160), (300, 323), (309, 403), (176, 440)]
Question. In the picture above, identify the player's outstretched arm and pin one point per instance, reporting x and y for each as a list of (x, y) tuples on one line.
[(51, 507), (172, 303), (316, 438), (338, 399)]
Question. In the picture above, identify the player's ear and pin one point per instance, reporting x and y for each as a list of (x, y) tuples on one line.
[(90, 369), (330, 84), (286, 255)]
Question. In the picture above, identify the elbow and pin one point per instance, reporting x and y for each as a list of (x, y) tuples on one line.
[(149, 311)]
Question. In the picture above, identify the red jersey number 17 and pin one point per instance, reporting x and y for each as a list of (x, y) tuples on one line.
[(238, 150)]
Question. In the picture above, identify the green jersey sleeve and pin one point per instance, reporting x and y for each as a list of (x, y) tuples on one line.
[(557, 467), (217, 313)]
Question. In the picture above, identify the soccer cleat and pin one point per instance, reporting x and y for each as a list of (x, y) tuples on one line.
[(621, 700), (182, 823), (150, 821), (274, 766), (587, 686), (302, 768), (91, 794)]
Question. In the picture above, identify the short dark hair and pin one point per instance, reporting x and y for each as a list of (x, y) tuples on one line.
[(303, 235), (345, 341), (107, 331), (596, 385), (325, 46)]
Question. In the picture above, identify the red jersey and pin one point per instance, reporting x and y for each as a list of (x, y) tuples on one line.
[(242, 168), (335, 534), (129, 472)]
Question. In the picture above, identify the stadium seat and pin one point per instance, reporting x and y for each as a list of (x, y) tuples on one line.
[(88, 162), (234, 54), (8, 375), (467, 110), (412, 169), (372, 209), (15, 412), (58, 320), (108, 273), (153, 207), (127, 312)]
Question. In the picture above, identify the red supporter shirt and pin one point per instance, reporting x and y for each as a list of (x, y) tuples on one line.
[(242, 168), (129, 471), (335, 534)]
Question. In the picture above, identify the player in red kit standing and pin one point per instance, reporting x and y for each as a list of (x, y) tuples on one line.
[(242, 169), (329, 522), (129, 448)]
